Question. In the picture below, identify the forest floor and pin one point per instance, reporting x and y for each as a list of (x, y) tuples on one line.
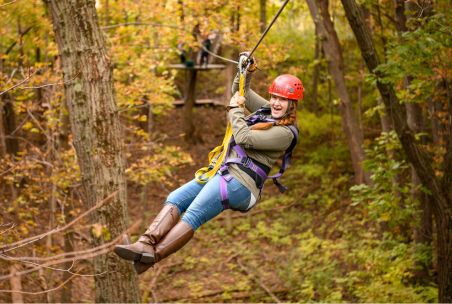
[(310, 244), (208, 268), (234, 258)]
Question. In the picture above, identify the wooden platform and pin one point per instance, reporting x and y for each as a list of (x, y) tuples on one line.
[(181, 66), (214, 102)]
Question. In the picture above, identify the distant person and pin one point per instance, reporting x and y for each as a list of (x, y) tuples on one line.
[(182, 52), (260, 139), (206, 45)]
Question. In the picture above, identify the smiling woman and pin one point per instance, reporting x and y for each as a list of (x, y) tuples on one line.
[(258, 141), (279, 106)]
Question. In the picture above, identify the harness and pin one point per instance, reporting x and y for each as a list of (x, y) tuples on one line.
[(249, 165), (218, 157)]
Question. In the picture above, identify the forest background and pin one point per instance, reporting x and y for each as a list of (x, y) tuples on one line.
[(367, 217)]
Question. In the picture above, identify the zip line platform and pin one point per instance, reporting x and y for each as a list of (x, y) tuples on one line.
[(215, 102), (198, 67)]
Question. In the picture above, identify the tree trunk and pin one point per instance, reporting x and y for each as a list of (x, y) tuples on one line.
[(441, 190), (190, 97), (2, 130), (16, 284), (96, 130), (415, 120), (316, 73), (333, 53), (263, 15), (9, 125)]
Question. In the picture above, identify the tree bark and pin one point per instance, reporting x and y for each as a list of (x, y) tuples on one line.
[(422, 234), (316, 73), (2, 130), (440, 189), (9, 125), (96, 130), (190, 97), (263, 15), (333, 53), (16, 284)]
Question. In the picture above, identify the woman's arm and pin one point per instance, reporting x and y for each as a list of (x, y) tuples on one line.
[(277, 138), (253, 101)]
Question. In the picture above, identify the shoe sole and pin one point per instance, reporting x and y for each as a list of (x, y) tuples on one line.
[(130, 255), (141, 267), (127, 254)]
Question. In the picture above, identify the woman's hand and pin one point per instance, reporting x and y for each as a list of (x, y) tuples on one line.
[(253, 65), (236, 101)]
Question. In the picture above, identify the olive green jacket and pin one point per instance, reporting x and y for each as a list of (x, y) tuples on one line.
[(265, 146)]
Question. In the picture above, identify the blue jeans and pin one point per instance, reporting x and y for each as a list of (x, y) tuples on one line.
[(202, 202)]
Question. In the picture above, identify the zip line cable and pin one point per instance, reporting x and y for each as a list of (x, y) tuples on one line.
[(218, 56), (257, 44), (268, 28)]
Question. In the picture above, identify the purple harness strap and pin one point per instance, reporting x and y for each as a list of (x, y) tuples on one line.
[(247, 162), (224, 179)]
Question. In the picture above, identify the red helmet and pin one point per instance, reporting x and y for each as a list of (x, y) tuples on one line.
[(287, 86)]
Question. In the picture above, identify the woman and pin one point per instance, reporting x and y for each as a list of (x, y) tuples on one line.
[(264, 137)]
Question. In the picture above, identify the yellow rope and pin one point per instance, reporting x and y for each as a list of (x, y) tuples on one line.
[(218, 154)]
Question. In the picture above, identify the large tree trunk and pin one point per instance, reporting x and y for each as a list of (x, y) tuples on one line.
[(415, 120), (333, 52), (95, 126), (440, 189)]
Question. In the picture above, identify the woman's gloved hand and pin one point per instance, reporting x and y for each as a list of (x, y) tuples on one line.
[(253, 65), (236, 101)]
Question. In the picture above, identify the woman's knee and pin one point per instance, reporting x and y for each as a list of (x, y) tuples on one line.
[(193, 219), (179, 208)]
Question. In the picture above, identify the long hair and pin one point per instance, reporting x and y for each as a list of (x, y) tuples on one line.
[(290, 119)]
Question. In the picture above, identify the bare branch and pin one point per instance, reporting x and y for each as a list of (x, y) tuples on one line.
[(54, 268), (30, 240), (72, 254), (77, 255), (139, 24), (38, 124), (19, 126), (39, 292), (12, 226), (52, 84), (7, 3), (258, 281), (20, 83), (6, 171)]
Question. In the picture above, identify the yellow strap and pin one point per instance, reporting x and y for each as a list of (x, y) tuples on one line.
[(242, 84), (203, 175)]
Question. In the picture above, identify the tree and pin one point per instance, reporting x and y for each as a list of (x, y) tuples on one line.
[(333, 52), (97, 135), (262, 15), (415, 120), (440, 187)]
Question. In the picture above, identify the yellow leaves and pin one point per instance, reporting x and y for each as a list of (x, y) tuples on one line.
[(159, 166), (27, 126), (96, 230), (99, 231)]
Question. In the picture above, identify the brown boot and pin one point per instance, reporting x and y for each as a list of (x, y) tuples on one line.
[(172, 242), (143, 249)]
